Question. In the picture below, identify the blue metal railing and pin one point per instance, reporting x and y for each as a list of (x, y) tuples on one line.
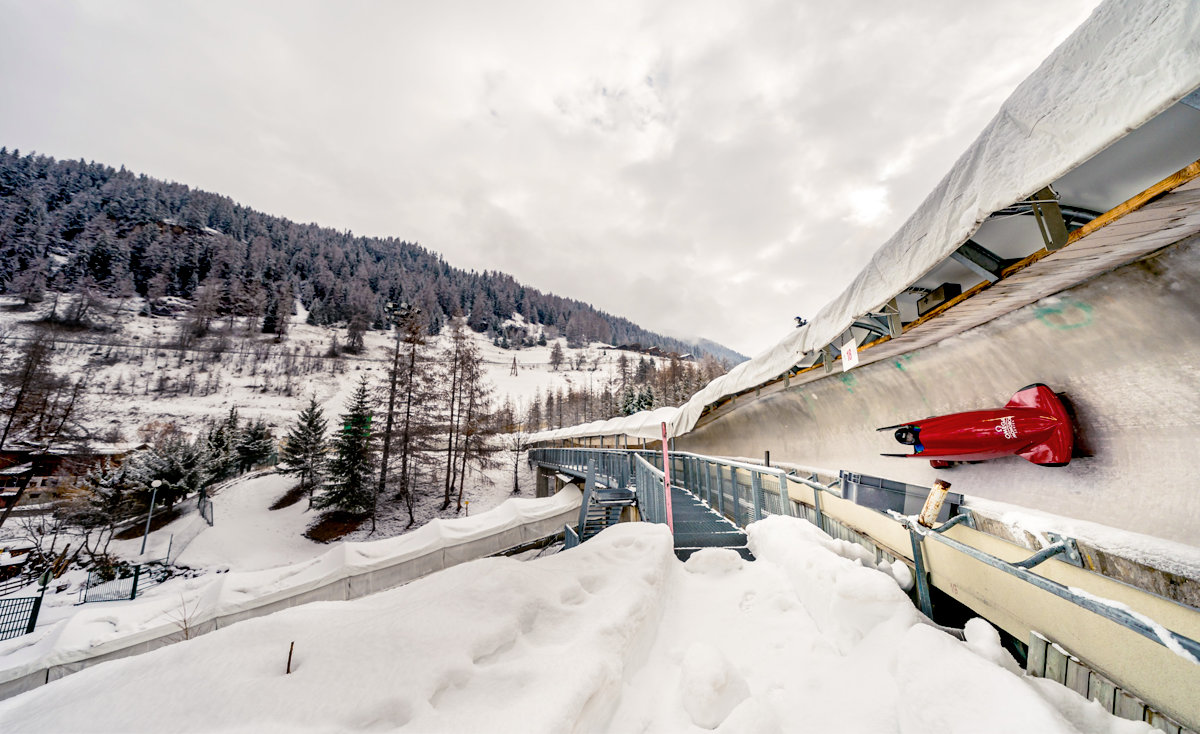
[(570, 537), (737, 490), (651, 491)]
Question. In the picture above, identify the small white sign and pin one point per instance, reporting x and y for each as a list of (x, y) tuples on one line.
[(849, 355)]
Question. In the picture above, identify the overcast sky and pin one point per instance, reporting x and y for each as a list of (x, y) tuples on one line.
[(702, 168)]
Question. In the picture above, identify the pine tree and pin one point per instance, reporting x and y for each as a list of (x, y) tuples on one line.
[(646, 399), (255, 445), (221, 447), (181, 465), (556, 355), (629, 401), (304, 452), (109, 490), (349, 478)]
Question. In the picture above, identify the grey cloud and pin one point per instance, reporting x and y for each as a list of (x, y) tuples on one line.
[(702, 168)]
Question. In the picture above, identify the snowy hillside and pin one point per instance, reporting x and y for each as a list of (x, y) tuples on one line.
[(138, 374)]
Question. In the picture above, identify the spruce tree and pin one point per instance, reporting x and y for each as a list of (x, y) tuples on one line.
[(304, 452), (349, 485), (181, 465), (630, 401), (255, 445), (221, 447)]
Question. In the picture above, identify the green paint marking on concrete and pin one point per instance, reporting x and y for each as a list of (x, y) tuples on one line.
[(899, 365), (849, 381), (1067, 314)]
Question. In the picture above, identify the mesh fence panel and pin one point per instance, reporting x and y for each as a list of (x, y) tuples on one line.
[(14, 615)]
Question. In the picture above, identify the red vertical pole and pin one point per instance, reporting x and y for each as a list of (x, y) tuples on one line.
[(667, 479)]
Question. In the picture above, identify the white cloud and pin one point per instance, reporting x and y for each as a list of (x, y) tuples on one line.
[(673, 162)]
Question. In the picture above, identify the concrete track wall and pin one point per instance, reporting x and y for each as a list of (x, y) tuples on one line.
[(1124, 347)]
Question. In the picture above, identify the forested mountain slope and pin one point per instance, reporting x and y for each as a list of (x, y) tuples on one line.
[(78, 226)]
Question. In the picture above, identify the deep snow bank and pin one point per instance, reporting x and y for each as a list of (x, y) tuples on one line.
[(345, 571), (615, 636)]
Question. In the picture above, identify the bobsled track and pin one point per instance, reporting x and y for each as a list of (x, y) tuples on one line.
[(982, 292), (1123, 347)]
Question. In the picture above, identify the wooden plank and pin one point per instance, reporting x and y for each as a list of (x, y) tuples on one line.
[(1035, 662), (1056, 664), (1161, 722), (1103, 690), (1077, 676), (1129, 707)]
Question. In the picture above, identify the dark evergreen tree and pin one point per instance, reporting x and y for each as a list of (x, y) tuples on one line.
[(181, 465), (349, 486), (255, 445), (221, 447), (305, 448)]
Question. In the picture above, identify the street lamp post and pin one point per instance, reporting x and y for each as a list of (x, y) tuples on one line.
[(153, 496)]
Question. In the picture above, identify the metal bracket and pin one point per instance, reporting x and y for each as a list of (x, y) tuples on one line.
[(966, 518), (885, 322), (1059, 545), (924, 598), (1049, 218), (828, 354), (979, 260)]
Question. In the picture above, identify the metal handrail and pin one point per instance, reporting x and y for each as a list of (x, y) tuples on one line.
[(1125, 617), (649, 504)]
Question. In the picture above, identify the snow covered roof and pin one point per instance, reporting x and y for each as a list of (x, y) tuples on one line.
[(1127, 63)]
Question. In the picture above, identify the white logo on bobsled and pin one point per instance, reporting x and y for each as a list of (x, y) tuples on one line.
[(1008, 426)]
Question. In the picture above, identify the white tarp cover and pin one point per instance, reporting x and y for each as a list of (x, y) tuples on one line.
[(645, 424), (1127, 63)]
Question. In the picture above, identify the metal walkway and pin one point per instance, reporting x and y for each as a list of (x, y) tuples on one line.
[(613, 478), (696, 527)]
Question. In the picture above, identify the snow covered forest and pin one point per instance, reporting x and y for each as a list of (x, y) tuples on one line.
[(72, 226)]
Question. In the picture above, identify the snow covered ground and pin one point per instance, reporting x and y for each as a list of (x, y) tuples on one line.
[(614, 636), (248, 535), (200, 601)]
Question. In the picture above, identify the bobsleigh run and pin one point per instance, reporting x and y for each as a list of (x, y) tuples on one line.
[(1034, 425)]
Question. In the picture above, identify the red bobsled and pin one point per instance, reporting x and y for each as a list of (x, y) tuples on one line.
[(1033, 425)]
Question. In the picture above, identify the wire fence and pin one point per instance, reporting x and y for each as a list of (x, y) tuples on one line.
[(206, 509), (123, 588), (16, 583), (18, 615)]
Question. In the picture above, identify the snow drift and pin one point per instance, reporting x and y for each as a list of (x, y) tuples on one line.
[(346, 571), (613, 636)]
